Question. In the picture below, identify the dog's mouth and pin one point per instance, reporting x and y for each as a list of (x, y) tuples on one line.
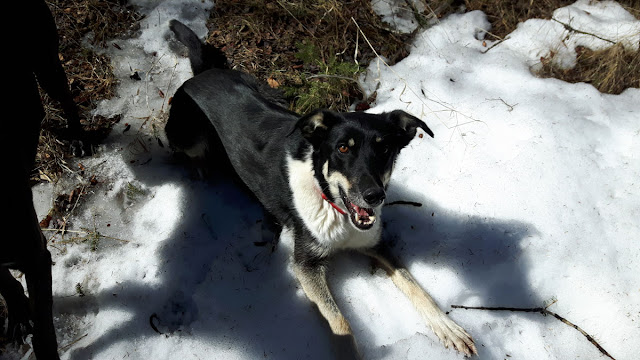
[(362, 218)]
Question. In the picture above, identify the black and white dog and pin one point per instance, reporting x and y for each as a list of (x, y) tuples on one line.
[(322, 176)]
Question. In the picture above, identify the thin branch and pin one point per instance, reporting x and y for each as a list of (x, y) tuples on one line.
[(88, 234), (542, 311), (404, 202), (495, 44), (571, 29), (293, 16), (504, 102), (65, 347)]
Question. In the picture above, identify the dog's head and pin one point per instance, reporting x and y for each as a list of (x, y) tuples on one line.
[(354, 155)]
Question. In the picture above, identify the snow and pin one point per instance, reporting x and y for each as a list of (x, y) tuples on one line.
[(529, 196)]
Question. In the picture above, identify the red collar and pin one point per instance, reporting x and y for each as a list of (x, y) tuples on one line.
[(333, 205)]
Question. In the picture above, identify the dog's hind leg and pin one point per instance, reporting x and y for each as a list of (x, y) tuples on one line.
[(17, 306), (450, 333), (189, 132), (313, 279), (38, 277), (36, 307)]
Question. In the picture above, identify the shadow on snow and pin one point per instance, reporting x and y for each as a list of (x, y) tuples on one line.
[(219, 281)]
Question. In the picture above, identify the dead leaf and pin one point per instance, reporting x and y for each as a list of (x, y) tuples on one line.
[(273, 83)]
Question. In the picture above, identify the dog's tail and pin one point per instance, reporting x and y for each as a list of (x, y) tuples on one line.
[(202, 56)]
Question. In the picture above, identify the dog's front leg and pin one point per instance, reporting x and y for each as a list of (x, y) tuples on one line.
[(450, 333), (312, 277)]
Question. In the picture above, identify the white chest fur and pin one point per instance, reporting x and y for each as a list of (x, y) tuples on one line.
[(331, 229)]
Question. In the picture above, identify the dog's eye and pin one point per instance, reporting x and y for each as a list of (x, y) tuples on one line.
[(343, 149)]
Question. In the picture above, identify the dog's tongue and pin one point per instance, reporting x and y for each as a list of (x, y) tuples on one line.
[(362, 218), (362, 212)]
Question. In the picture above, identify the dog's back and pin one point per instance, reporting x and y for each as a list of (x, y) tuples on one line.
[(224, 117)]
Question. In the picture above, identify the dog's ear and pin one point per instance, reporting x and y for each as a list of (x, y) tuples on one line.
[(316, 125), (408, 125)]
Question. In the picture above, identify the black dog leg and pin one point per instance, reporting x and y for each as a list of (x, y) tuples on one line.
[(28, 254), (51, 76), (38, 278), (17, 306)]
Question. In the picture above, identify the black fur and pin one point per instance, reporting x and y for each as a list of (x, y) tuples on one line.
[(201, 56), (222, 113), (35, 62), (228, 110)]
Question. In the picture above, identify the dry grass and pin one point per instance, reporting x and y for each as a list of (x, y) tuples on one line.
[(504, 16), (90, 74), (610, 71), (309, 49), (312, 50)]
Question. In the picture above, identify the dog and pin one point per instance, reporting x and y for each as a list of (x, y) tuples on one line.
[(323, 176), (36, 63)]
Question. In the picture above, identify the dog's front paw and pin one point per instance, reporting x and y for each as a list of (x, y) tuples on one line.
[(78, 139), (451, 334), (77, 148), (19, 324)]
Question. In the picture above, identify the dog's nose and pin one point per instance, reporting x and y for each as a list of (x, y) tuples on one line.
[(374, 196)]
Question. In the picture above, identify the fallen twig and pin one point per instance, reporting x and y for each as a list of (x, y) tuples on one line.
[(494, 45), (88, 234), (542, 311), (65, 347), (571, 29), (504, 102), (403, 202)]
